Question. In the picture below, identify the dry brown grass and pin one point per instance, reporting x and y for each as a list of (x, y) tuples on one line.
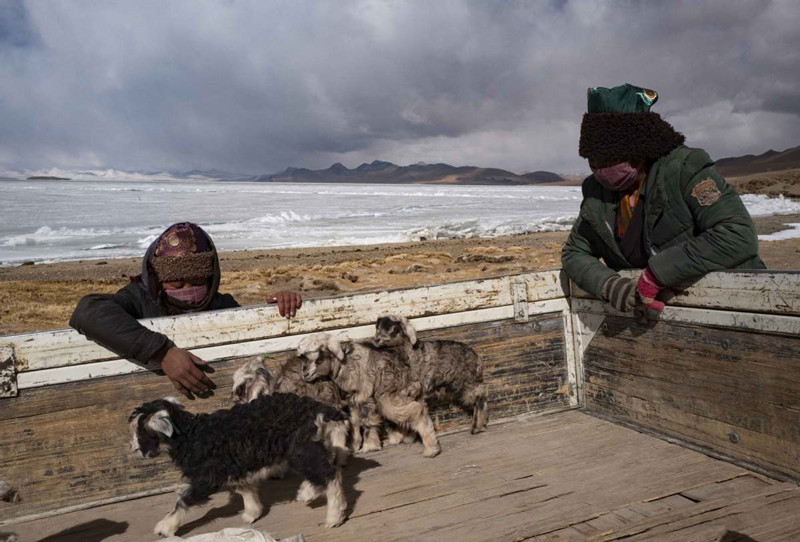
[(773, 183), (32, 305)]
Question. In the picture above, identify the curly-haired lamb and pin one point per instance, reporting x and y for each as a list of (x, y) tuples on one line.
[(237, 448), (447, 370), (252, 379)]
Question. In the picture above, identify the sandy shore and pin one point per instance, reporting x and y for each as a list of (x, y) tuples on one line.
[(41, 297)]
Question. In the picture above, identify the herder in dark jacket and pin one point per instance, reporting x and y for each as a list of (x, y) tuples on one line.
[(651, 204), (180, 274)]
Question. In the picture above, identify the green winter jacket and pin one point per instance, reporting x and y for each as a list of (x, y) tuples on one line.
[(694, 223)]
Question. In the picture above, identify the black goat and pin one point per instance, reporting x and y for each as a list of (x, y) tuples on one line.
[(237, 448)]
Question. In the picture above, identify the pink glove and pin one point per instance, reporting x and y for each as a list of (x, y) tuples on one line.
[(648, 288)]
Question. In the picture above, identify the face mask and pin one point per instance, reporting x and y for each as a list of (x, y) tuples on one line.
[(618, 177), (192, 295)]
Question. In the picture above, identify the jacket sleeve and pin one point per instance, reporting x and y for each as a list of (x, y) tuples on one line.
[(581, 260), (725, 235), (224, 301), (110, 320)]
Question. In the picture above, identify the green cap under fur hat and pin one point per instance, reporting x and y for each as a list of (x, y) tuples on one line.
[(622, 99), (619, 126)]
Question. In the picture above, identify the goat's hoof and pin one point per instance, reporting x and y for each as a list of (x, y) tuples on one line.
[(249, 517), (341, 460), (370, 447), (395, 437), (307, 493), (164, 528), (432, 451), (334, 522)]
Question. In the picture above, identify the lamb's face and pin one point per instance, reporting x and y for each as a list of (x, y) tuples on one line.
[(316, 364), (393, 331), (150, 426), (319, 353), (251, 380)]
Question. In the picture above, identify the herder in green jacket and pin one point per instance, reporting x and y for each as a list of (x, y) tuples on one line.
[(651, 203)]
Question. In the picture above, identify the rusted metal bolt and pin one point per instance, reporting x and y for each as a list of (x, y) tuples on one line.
[(734, 436), (537, 327)]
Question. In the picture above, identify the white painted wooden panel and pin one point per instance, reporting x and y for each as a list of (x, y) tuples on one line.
[(44, 350), (87, 371), (776, 292)]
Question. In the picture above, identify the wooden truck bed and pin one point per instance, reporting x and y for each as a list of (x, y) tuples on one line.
[(565, 476), (602, 424)]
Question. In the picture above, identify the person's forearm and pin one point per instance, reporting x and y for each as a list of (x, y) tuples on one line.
[(105, 322)]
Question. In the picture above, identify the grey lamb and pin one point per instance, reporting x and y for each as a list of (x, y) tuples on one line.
[(447, 370)]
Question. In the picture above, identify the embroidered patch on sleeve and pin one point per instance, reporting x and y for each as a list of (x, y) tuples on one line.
[(706, 192)]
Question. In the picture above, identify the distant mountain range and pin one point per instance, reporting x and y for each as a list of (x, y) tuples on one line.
[(763, 163), (387, 173), (376, 172)]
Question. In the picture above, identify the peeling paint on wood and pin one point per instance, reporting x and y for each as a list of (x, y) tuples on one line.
[(520, 296), (8, 372)]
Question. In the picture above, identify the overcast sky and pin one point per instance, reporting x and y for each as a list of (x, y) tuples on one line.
[(255, 86)]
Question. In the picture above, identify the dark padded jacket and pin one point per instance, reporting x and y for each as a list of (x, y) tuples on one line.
[(695, 223), (111, 321)]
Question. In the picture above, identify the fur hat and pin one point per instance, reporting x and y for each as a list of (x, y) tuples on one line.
[(619, 126), (183, 252)]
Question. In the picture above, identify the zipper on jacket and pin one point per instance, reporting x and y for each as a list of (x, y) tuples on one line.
[(609, 239)]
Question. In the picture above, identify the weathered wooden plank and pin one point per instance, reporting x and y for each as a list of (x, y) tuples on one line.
[(776, 292), (771, 514), (733, 392), (101, 369), (68, 443), (524, 366), (735, 488), (574, 367), (43, 350), (767, 323)]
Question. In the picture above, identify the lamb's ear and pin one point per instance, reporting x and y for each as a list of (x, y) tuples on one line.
[(160, 422), (240, 390), (409, 330), (335, 348), (264, 372)]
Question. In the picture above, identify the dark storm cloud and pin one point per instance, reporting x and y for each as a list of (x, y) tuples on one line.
[(256, 86)]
